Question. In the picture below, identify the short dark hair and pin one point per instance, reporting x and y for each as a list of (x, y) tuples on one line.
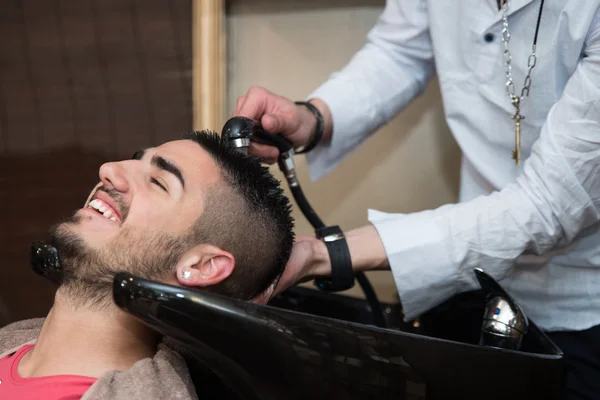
[(248, 216)]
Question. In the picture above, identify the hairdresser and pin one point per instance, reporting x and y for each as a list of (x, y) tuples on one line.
[(520, 83)]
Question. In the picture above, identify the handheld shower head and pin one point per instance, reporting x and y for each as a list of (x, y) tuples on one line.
[(238, 132)]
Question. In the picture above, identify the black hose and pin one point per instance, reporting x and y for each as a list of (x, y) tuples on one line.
[(305, 207), (312, 217), (376, 311)]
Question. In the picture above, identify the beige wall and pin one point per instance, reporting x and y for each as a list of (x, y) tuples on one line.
[(290, 47)]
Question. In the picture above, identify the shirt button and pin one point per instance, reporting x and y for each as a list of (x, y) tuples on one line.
[(488, 37)]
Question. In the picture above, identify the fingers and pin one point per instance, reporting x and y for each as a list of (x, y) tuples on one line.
[(271, 123), (300, 238), (295, 271), (238, 104), (254, 104), (274, 123), (268, 154), (265, 296), (275, 113)]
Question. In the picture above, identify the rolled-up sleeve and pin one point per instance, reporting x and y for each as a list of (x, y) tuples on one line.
[(390, 70), (432, 253)]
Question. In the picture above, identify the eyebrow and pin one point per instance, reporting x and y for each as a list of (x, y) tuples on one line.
[(163, 164)]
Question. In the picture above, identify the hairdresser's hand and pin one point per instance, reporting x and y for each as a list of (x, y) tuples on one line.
[(309, 259), (280, 115)]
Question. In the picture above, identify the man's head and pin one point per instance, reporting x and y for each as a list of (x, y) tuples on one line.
[(190, 205)]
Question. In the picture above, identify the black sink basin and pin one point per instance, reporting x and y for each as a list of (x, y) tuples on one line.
[(308, 344)]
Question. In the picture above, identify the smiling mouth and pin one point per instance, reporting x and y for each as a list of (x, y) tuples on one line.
[(103, 209)]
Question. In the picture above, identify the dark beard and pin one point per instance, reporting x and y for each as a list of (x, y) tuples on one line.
[(88, 273)]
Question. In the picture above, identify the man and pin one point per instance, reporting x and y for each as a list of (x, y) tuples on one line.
[(189, 212), (529, 218)]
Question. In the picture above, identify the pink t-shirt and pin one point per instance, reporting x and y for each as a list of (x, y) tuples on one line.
[(56, 387)]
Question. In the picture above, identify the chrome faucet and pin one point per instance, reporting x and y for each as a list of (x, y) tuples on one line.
[(504, 323)]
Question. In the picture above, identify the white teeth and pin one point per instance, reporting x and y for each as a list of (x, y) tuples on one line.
[(105, 210)]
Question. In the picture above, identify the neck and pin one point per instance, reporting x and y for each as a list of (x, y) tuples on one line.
[(80, 341)]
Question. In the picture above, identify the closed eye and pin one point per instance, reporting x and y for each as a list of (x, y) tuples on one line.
[(160, 185)]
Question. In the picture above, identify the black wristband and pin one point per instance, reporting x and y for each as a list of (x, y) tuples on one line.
[(320, 126), (342, 275)]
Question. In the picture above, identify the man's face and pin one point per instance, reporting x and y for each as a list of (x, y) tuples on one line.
[(136, 217)]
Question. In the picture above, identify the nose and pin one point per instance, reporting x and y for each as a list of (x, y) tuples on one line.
[(114, 174)]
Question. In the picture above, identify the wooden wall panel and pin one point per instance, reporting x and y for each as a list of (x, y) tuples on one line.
[(81, 82)]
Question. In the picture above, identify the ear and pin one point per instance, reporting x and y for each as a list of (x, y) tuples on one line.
[(204, 265)]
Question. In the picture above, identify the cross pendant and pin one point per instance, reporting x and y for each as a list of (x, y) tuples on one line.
[(516, 153)]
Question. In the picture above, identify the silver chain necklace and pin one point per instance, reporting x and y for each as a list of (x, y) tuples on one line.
[(510, 86)]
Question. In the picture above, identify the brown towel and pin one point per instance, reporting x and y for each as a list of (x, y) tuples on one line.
[(165, 376)]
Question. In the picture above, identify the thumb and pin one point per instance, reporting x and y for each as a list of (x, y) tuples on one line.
[(253, 107), (273, 123), (267, 153), (265, 296)]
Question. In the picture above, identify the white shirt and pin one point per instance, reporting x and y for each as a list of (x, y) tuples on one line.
[(533, 227)]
